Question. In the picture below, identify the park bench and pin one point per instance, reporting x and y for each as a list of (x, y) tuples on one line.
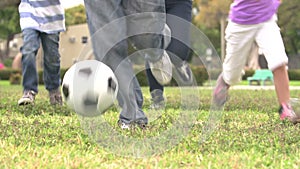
[(261, 76)]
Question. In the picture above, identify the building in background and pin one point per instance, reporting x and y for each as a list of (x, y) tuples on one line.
[(73, 47)]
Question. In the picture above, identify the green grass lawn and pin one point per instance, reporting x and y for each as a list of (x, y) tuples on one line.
[(249, 135)]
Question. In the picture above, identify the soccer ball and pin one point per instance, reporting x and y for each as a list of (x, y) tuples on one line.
[(89, 87)]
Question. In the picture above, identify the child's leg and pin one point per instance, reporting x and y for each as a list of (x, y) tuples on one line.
[(239, 41), (281, 82), (270, 41)]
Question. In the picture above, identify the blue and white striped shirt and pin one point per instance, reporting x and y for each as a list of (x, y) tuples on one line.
[(43, 15)]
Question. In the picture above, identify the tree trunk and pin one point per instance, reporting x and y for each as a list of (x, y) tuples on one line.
[(6, 3), (223, 43)]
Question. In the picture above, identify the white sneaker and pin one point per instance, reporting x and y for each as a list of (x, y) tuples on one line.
[(162, 69), (27, 98), (184, 74)]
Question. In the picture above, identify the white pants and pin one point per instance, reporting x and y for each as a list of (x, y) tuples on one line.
[(239, 41)]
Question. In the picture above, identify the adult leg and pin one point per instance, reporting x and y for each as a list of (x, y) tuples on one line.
[(178, 48), (113, 52), (147, 30), (146, 22), (179, 19)]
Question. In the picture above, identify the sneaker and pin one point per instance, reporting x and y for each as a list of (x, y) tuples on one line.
[(157, 105), (287, 112), (27, 98), (126, 126), (220, 94), (141, 125), (184, 74), (162, 69), (55, 97), (158, 101), (123, 125)]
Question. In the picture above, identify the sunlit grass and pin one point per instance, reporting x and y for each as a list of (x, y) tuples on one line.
[(250, 134)]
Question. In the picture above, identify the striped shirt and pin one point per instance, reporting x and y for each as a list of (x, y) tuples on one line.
[(43, 15)]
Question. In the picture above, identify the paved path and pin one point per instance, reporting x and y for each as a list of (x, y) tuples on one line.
[(269, 87)]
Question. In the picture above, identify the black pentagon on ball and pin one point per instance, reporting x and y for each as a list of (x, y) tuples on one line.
[(65, 90), (85, 72), (112, 84), (90, 101)]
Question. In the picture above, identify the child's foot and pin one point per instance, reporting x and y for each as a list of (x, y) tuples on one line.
[(287, 112), (220, 94), (27, 98)]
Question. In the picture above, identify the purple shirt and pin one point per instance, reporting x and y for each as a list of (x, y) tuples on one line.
[(247, 12)]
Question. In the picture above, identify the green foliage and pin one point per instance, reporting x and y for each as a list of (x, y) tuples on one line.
[(8, 62), (294, 74), (15, 79), (200, 74), (7, 72), (75, 15), (9, 22), (288, 21), (248, 73), (10, 19)]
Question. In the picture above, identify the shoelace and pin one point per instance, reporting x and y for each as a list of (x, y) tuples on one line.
[(183, 70)]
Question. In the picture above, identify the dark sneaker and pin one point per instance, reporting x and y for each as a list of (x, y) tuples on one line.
[(158, 105), (184, 74), (220, 94), (158, 101), (287, 112), (55, 97), (162, 69), (27, 98), (141, 125), (126, 126)]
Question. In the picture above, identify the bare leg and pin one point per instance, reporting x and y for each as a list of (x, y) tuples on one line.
[(281, 82)]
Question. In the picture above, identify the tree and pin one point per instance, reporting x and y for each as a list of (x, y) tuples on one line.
[(75, 15), (289, 15), (212, 19), (211, 12), (6, 3), (9, 22), (9, 25)]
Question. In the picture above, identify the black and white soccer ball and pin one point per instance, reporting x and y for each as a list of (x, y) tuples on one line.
[(89, 87)]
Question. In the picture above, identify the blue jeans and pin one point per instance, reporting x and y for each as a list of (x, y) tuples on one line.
[(51, 59), (111, 24), (177, 48)]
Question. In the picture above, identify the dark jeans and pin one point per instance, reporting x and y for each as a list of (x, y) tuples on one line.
[(177, 49)]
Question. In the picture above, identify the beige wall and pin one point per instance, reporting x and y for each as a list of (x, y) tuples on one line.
[(71, 46)]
